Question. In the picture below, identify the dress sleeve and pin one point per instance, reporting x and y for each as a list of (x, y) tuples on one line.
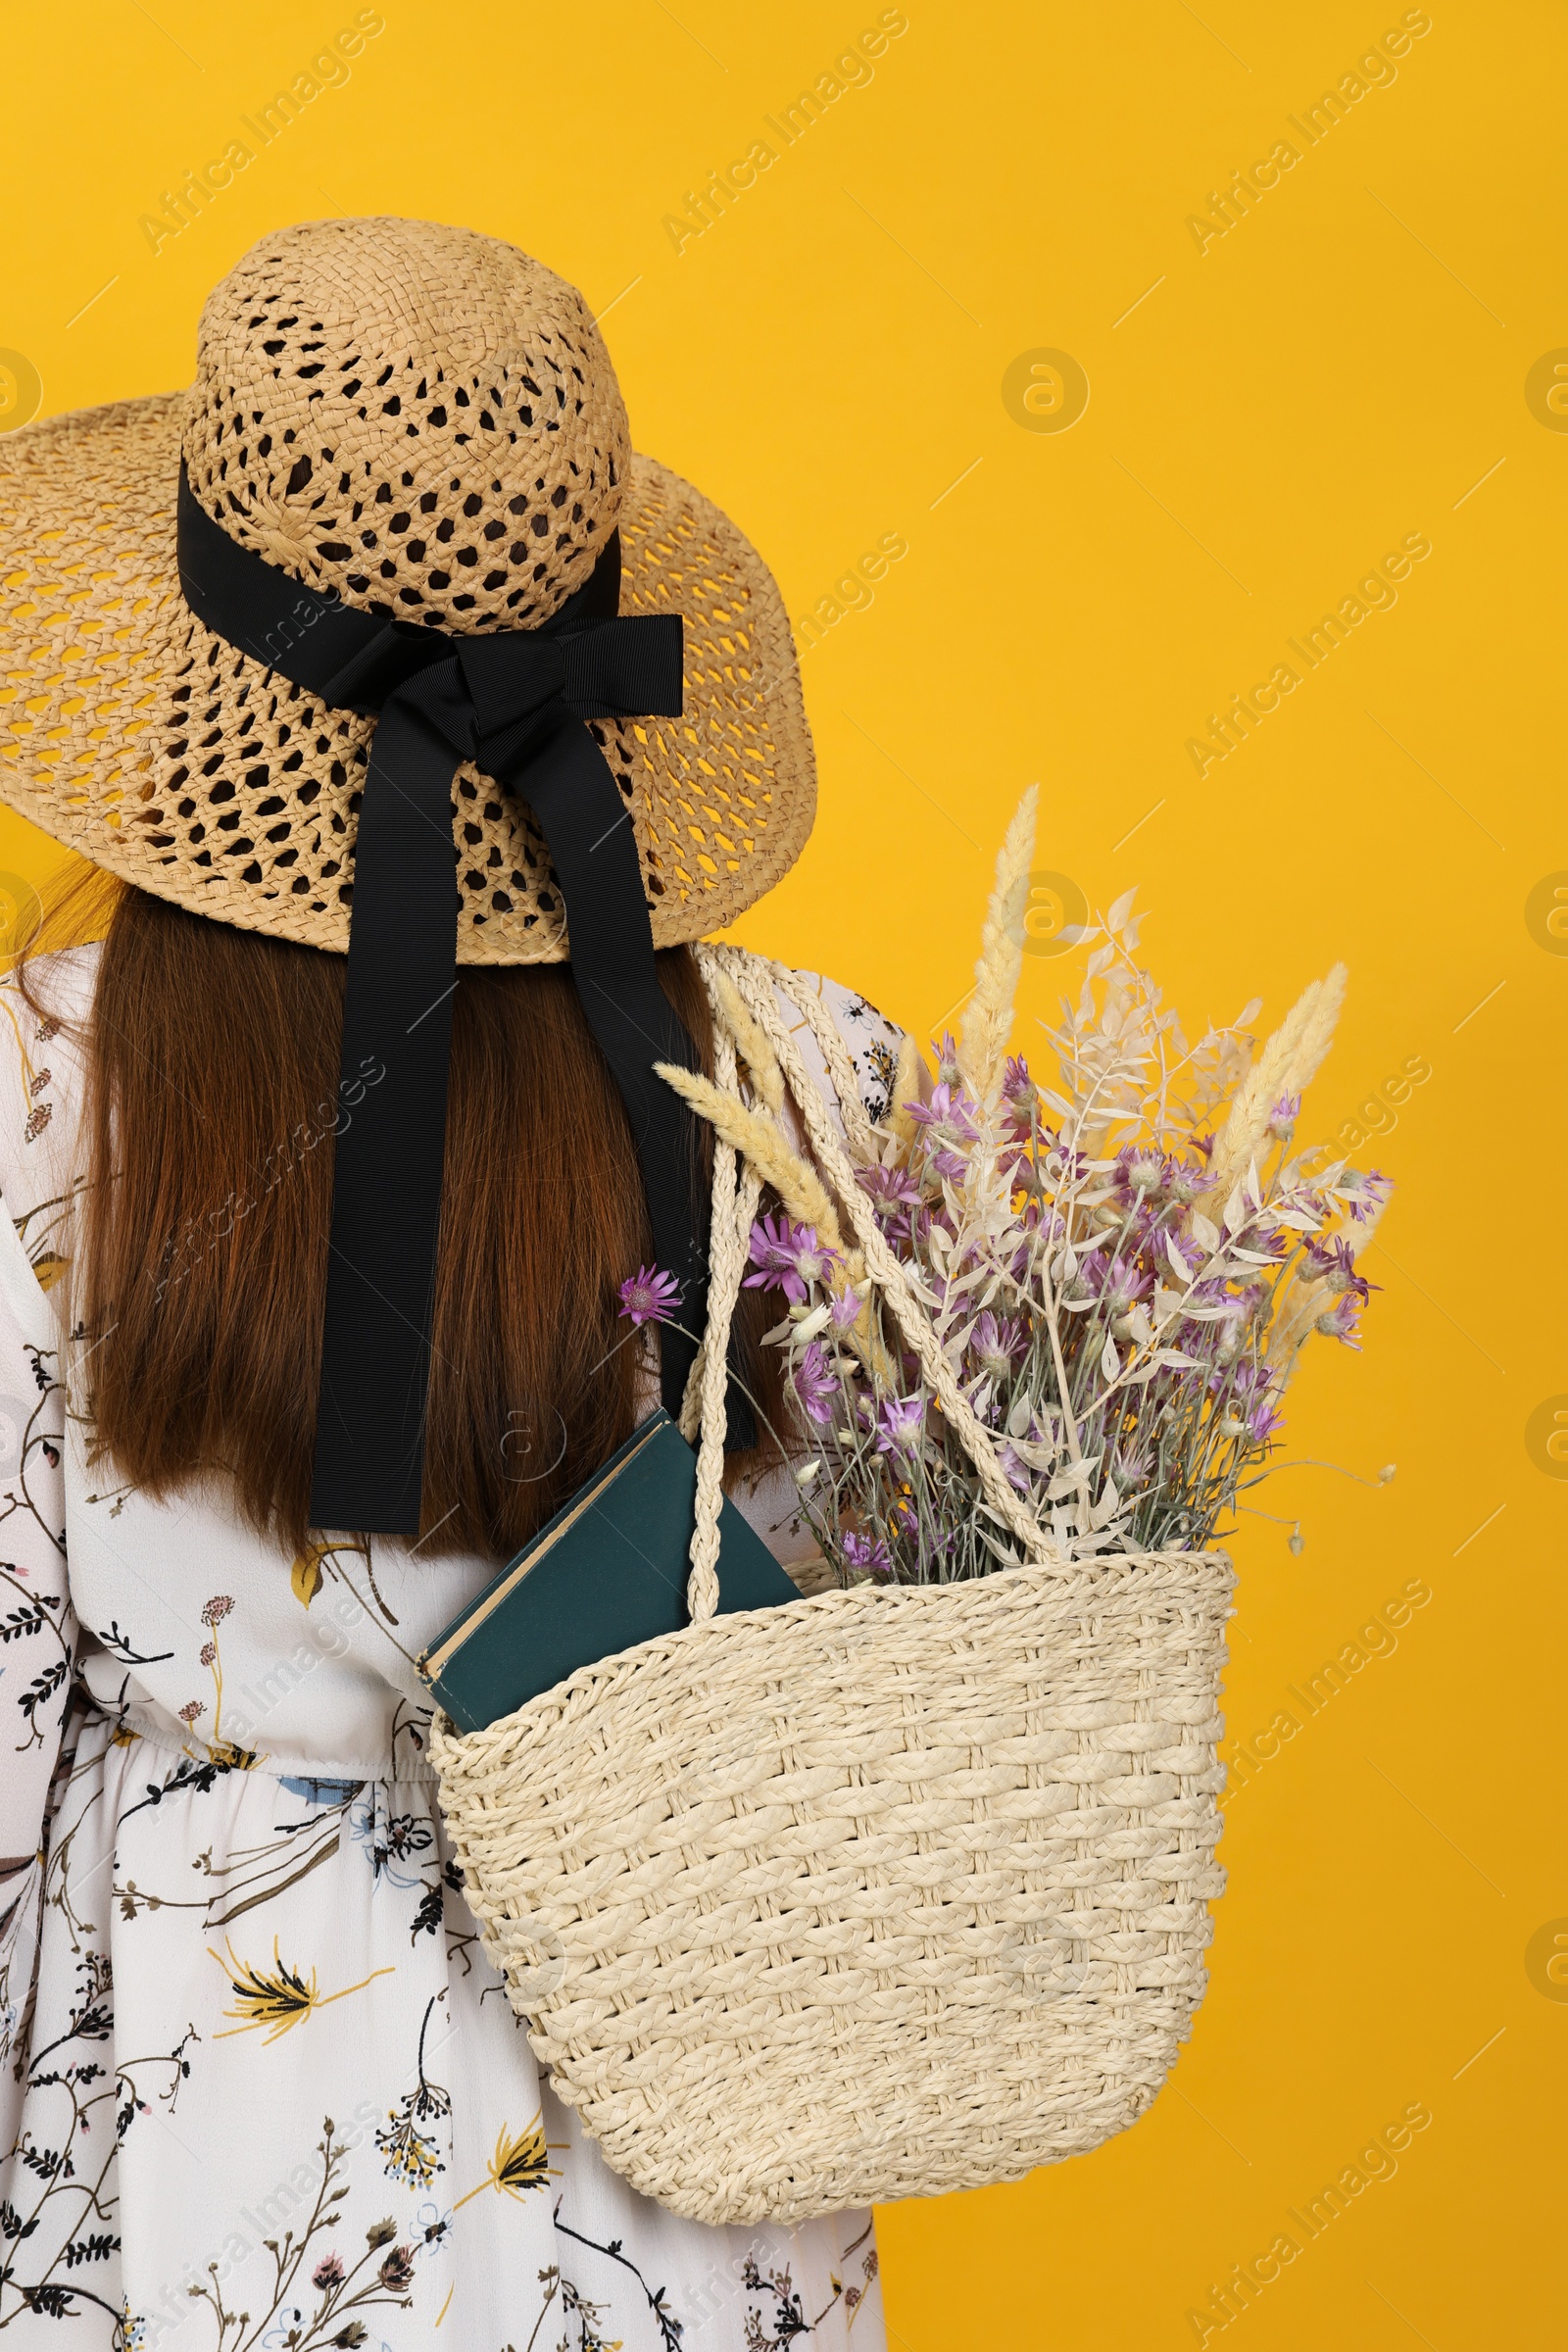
[(872, 1042), (37, 1629)]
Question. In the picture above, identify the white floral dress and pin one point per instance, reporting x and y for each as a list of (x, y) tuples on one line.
[(259, 2087)]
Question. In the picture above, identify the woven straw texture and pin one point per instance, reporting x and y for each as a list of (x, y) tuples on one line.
[(428, 421), (879, 1895)]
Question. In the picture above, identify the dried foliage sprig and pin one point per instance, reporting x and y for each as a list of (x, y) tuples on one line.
[(987, 1019), (1120, 1265), (751, 1041), (799, 1189)]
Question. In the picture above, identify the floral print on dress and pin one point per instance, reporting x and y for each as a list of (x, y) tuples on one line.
[(870, 1039)]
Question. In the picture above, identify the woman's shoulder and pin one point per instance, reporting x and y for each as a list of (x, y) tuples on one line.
[(871, 1040)]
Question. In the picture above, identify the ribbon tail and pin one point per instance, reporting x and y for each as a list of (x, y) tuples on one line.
[(391, 1138), (573, 793)]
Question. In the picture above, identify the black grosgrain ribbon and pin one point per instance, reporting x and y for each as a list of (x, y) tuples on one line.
[(514, 702)]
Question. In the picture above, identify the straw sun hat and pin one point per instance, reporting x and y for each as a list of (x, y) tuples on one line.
[(426, 423), (384, 600)]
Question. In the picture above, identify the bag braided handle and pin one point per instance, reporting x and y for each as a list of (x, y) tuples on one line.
[(758, 983), (729, 1235), (856, 1118)]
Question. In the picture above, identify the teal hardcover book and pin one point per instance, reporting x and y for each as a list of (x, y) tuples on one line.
[(609, 1571)]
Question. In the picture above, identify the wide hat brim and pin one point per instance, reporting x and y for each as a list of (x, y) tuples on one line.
[(141, 740)]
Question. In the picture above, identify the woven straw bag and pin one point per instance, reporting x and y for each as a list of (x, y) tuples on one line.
[(884, 1892)]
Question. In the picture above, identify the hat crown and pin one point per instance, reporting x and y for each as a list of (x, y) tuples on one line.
[(419, 417)]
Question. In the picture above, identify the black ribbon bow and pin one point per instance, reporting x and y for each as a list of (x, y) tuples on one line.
[(514, 701)]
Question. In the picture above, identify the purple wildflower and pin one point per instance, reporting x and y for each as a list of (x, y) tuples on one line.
[(845, 1311), (1255, 1424), (948, 1070), (817, 1385), (1364, 1195), (789, 1257), (1118, 1283), (1183, 1181), (1021, 1096), (1257, 1400), (649, 1296), (902, 1419), (1263, 1423), (949, 1116), (868, 1553), (1338, 1323), (995, 1342), (1130, 1468), (893, 1193), (1140, 1172), (1283, 1117), (1333, 1264)]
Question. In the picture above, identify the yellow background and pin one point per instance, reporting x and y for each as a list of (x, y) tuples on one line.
[(1340, 369)]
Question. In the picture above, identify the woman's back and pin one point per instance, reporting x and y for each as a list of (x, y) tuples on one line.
[(263, 2014)]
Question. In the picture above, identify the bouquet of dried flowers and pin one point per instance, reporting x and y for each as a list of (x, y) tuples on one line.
[(1121, 1261)]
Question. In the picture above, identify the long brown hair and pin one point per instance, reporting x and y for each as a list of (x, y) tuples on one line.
[(213, 1066)]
